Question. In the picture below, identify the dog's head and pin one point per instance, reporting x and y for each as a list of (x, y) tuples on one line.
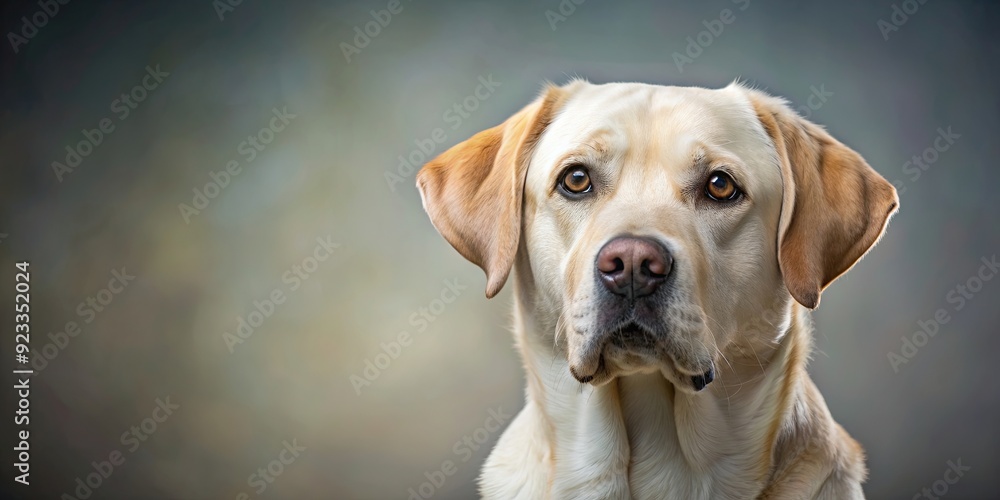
[(654, 223)]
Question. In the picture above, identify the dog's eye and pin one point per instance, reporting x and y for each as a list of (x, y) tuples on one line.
[(721, 187), (576, 180)]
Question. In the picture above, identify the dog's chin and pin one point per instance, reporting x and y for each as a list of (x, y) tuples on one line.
[(632, 349)]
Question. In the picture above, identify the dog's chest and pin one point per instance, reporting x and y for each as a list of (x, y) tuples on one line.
[(672, 454), (637, 441), (677, 452)]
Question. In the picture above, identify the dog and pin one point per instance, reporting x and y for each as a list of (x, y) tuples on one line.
[(666, 244)]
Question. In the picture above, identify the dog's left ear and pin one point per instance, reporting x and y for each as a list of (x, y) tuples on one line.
[(473, 192), (835, 206)]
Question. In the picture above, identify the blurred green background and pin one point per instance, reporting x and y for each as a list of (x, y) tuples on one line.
[(324, 175)]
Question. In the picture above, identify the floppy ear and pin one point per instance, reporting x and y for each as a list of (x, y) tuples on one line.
[(835, 206), (473, 192)]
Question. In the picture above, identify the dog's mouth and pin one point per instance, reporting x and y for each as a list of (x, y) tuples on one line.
[(632, 335), (635, 348)]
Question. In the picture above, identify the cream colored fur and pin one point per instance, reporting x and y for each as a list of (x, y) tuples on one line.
[(743, 272)]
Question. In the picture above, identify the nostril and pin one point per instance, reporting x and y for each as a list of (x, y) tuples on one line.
[(654, 268), (610, 264), (618, 264)]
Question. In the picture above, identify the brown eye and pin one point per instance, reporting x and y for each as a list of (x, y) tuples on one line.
[(721, 187), (576, 180)]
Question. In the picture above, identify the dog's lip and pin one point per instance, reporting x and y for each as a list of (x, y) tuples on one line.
[(586, 379), (632, 331), (632, 327), (701, 381), (589, 365)]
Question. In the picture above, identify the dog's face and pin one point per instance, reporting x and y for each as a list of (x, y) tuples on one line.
[(649, 213), (656, 222)]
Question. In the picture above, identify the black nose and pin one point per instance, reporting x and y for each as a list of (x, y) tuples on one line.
[(633, 267)]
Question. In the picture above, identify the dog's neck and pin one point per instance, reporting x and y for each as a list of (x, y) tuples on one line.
[(639, 429)]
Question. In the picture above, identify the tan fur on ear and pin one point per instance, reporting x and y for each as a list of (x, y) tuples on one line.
[(473, 192), (835, 205)]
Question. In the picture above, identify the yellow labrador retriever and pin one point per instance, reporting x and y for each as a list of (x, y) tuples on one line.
[(666, 244)]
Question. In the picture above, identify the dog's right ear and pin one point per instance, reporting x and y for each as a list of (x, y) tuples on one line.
[(473, 192)]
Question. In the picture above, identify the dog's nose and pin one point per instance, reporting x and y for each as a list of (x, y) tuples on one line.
[(633, 267)]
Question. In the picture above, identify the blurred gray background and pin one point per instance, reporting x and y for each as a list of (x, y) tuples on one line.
[(324, 175)]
